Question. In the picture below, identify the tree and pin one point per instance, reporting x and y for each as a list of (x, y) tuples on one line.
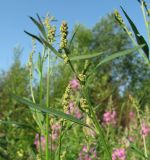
[(13, 138)]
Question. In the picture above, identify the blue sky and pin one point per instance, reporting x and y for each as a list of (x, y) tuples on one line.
[(14, 19)]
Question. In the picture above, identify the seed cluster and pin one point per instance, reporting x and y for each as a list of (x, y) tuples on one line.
[(64, 33), (119, 18), (65, 57), (51, 30), (66, 98), (82, 77), (84, 105), (30, 61)]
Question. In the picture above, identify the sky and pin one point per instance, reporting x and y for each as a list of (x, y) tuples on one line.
[(14, 19)]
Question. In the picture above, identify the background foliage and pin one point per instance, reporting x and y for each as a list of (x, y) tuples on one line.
[(110, 88)]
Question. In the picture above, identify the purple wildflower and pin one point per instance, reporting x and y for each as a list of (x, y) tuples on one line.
[(56, 131), (145, 130), (119, 154), (74, 110), (109, 117), (37, 142), (87, 153), (74, 84)]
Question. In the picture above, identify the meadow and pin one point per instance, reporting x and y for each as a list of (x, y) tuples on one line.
[(83, 96)]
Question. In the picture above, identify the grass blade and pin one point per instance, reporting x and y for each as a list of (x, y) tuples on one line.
[(140, 39), (39, 25), (139, 152), (50, 111), (50, 47), (17, 124), (83, 57), (34, 36), (119, 54), (73, 36)]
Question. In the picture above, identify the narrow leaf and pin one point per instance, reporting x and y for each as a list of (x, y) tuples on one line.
[(34, 36), (17, 124), (137, 151), (73, 36), (140, 39), (40, 26), (50, 111), (50, 47), (118, 54), (83, 57), (40, 21)]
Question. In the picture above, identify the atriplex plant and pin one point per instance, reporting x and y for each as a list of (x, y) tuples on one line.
[(43, 112)]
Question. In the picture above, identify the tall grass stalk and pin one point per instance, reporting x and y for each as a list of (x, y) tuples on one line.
[(48, 104), (140, 121), (98, 127)]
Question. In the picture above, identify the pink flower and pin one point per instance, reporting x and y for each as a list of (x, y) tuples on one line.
[(131, 138), (131, 114), (71, 108), (75, 85), (145, 130), (37, 142), (42, 142), (87, 153), (74, 110), (84, 149), (77, 113), (109, 117), (56, 131), (119, 154)]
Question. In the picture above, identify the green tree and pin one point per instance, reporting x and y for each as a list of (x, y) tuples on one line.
[(14, 139)]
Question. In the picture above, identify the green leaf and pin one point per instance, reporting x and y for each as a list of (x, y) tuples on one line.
[(17, 124), (119, 54), (34, 36), (50, 111), (50, 47), (39, 25), (40, 21), (139, 152), (140, 39), (83, 57), (73, 36), (39, 64)]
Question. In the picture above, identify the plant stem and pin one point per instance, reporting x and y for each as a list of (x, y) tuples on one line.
[(47, 104), (31, 89), (97, 125), (135, 44), (95, 121), (145, 21), (40, 147), (60, 140), (41, 94), (143, 137)]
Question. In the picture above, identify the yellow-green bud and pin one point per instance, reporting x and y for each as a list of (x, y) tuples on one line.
[(20, 153), (119, 18), (50, 30), (66, 98), (65, 57), (84, 105), (82, 77), (64, 33)]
